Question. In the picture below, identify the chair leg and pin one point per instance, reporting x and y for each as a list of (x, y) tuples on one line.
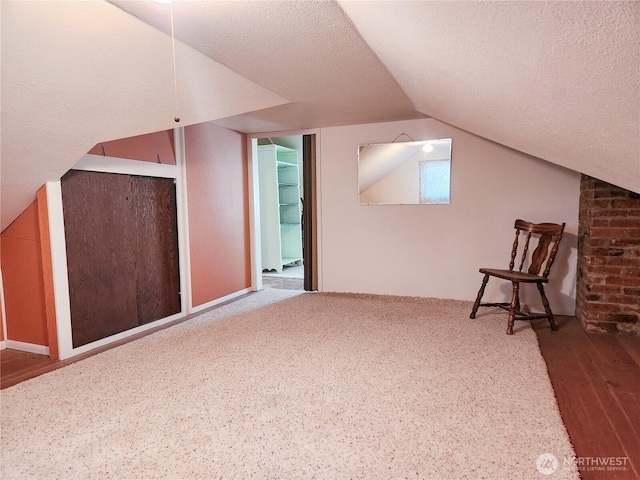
[(515, 300), (547, 308), (476, 305)]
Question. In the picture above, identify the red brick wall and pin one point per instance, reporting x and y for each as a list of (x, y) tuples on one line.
[(608, 290)]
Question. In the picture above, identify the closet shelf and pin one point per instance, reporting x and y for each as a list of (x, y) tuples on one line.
[(280, 206), (286, 165)]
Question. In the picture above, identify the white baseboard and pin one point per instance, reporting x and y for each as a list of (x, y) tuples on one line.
[(64, 354), (27, 347), (218, 301), (3, 344)]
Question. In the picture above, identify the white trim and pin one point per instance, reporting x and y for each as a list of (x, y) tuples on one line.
[(59, 268), (287, 133), (184, 241), (99, 163), (220, 300), (104, 164), (27, 347), (61, 284), (126, 334), (3, 313), (254, 196), (255, 239), (148, 326), (319, 264)]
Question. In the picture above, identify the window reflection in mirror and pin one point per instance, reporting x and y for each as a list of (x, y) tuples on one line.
[(416, 172)]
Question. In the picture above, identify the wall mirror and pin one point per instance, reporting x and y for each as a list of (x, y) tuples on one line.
[(401, 173)]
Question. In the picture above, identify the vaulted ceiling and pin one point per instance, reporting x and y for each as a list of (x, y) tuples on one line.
[(556, 80)]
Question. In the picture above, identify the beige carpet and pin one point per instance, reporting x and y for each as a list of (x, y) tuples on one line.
[(292, 385)]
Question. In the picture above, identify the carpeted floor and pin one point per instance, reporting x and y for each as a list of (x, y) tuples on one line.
[(286, 384)]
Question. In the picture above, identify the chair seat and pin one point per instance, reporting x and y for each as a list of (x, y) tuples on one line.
[(514, 276)]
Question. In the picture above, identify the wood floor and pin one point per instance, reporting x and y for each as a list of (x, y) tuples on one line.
[(596, 378)]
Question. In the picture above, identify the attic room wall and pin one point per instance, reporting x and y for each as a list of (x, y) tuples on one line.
[(436, 250), (154, 147), (217, 170), (218, 204), (23, 280), (2, 315)]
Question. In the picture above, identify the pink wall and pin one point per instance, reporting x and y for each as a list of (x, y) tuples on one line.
[(142, 147), (218, 198), (23, 279), (2, 337)]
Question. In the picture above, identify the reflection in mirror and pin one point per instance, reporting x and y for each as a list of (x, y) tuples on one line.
[(417, 172)]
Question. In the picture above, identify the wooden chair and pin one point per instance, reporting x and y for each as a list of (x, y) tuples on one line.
[(549, 235)]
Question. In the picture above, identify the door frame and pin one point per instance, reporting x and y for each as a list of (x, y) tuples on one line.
[(97, 163), (254, 205)]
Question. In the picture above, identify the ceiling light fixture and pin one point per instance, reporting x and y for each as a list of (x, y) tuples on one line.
[(427, 148)]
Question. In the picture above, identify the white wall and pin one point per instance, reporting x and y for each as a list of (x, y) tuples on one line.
[(436, 250)]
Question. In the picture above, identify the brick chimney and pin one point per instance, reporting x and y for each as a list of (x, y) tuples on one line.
[(608, 290)]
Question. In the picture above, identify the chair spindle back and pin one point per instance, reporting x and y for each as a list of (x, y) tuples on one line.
[(549, 234)]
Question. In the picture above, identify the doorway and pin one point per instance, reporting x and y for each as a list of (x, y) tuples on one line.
[(285, 171)]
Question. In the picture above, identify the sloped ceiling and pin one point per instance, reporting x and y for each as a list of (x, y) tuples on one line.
[(81, 72), (306, 51), (557, 80)]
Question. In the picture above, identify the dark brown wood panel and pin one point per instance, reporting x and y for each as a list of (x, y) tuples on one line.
[(122, 252), (310, 224), (98, 221), (157, 274)]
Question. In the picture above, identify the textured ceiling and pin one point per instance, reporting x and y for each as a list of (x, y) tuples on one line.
[(306, 51), (75, 73), (557, 80)]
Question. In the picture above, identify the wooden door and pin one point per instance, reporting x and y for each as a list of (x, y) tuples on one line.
[(122, 257), (157, 274)]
